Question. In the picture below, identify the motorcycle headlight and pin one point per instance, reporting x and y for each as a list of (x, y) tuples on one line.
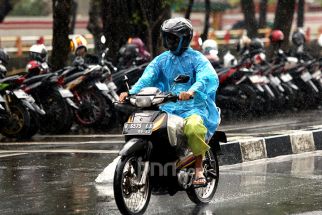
[(143, 101)]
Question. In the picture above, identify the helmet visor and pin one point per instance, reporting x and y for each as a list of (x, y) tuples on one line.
[(172, 41)]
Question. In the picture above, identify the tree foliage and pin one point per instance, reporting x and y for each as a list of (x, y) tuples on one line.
[(128, 18), (30, 8)]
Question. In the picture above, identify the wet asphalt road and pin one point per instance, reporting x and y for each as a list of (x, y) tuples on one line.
[(64, 183), (56, 175)]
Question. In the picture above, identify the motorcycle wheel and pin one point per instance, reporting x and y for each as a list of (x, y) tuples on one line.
[(34, 124), (130, 197), (59, 116), (204, 195), (19, 122), (248, 94), (289, 97), (91, 110), (109, 117)]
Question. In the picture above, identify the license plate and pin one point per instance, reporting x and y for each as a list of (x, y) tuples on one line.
[(20, 94), (65, 93), (138, 128), (306, 76), (112, 86), (276, 81), (30, 99), (265, 79), (101, 86), (286, 77), (317, 74), (255, 79)]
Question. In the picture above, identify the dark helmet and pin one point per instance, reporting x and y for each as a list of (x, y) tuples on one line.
[(298, 37), (256, 46), (276, 36), (4, 57), (176, 34)]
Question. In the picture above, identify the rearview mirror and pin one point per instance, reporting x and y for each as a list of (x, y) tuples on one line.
[(182, 79), (103, 39)]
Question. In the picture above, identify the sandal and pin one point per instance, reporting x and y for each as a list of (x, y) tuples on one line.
[(200, 181)]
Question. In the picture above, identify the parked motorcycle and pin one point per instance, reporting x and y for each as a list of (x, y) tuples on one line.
[(54, 99), (22, 111), (89, 92), (50, 95), (143, 168)]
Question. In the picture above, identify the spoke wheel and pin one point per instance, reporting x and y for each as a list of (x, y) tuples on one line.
[(203, 195), (130, 196), (91, 109)]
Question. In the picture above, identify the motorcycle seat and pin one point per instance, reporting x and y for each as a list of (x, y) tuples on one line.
[(73, 77), (222, 71), (37, 78), (10, 79)]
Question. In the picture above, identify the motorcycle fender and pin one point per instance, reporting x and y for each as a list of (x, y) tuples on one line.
[(27, 105), (215, 140), (107, 95), (38, 109), (293, 86), (136, 145), (71, 103)]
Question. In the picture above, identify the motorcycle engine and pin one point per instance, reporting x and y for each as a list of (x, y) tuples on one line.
[(185, 178)]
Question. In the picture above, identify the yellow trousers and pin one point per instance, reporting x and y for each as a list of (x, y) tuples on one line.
[(195, 131)]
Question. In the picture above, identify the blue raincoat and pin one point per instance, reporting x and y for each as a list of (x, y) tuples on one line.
[(161, 73)]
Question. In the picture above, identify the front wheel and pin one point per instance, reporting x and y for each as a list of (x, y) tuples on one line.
[(131, 197), (18, 123), (204, 195)]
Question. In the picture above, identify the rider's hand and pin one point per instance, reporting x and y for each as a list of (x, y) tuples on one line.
[(123, 96), (186, 95)]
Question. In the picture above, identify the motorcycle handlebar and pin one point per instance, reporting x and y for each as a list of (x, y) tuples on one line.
[(167, 98)]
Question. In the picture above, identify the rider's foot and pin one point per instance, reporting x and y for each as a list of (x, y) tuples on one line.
[(199, 177)]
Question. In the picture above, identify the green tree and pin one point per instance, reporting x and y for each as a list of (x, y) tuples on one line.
[(125, 18), (30, 8)]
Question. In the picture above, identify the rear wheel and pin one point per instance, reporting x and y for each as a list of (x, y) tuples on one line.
[(59, 116), (204, 195), (91, 110), (34, 124), (131, 197)]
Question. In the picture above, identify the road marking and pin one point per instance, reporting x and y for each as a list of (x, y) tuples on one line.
[(62, 143), (80, 136), (62, 151), (11, 155)]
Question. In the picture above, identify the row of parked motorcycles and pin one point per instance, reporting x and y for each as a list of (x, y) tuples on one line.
[(51, 102), (255, 86)]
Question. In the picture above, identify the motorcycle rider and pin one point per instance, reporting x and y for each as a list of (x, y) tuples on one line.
[(196, 98)]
